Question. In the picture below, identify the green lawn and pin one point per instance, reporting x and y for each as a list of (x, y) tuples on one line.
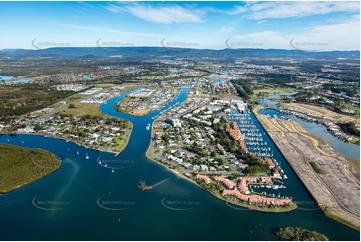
[(273, 90), (83, 109), (317, 169)]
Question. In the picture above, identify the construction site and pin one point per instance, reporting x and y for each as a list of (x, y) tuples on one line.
[(328, 175)]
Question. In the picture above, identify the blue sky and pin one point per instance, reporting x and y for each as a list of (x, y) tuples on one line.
[(216, 25)]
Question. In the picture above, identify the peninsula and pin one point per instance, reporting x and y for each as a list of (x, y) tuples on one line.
[(20, 166)]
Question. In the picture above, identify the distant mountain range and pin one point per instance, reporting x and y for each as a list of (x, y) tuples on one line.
[(146, 52)]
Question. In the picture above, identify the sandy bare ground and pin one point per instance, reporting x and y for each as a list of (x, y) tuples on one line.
[(338, 189), (317, 112)]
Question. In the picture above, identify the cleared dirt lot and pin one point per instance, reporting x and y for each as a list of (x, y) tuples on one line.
[(317, 112), (338, 190)]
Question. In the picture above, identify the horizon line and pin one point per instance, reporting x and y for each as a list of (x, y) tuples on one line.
[(183, 48)]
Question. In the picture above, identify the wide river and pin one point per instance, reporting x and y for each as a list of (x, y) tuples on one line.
[(85, 200)]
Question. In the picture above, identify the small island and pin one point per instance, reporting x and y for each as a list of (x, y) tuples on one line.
[(143, 187), (20, 166), (299, 234)]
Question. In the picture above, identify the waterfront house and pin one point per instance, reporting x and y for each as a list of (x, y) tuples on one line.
[(226, 182), (206, 179)]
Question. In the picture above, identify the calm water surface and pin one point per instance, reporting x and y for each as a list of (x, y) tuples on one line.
[(85, 200)]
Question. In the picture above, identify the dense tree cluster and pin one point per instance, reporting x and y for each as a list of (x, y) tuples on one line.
[(299, 234), (243, 89), (19, 100), (255, 164), (19, 165), (351, 128)]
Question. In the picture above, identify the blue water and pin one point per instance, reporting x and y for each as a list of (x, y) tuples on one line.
[(80, 185), (338, 145), (10, 79), (6, 77), (268, 102)]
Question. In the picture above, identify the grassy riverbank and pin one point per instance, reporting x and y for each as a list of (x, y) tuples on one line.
[(19, 166), (341, 220)]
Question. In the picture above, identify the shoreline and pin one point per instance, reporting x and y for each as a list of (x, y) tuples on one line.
[(334, 215), (101, 149), (175, 172), (140, 115), (220, 197), (353, 141), (180, 175), (129, 136), (257, 108), (26, 183)]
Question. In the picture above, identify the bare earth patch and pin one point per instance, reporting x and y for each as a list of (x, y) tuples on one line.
[(338, 190)]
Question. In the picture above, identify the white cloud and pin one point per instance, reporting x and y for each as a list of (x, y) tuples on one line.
[(98, 29), (237, 10), (340, 36), (226, 29), (261, 22), (160, 14), (264, 10), (114, 8), (265, 39)]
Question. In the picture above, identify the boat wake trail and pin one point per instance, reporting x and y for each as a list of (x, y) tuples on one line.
[(157, 184)]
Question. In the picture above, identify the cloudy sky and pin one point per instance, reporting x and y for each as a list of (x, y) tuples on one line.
[(217, 25)]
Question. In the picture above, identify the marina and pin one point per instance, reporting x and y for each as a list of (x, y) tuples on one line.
[(95, 181), (254, 139)]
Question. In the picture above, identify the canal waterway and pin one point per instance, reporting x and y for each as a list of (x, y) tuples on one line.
[(338, 145), (98, 198)]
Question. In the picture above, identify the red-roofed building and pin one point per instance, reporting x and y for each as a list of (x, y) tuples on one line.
[(226, 182), (204, 178), (276, 174), (270, 163)]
